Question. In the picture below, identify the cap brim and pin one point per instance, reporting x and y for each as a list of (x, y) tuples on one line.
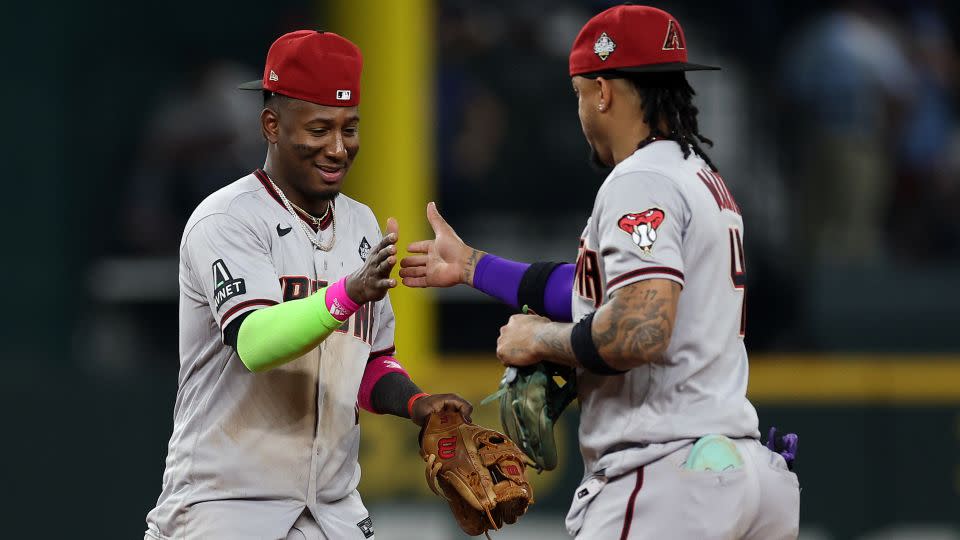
[(669, 66), (252, 85)]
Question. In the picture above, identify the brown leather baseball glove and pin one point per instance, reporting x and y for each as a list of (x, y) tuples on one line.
[(479, 471)]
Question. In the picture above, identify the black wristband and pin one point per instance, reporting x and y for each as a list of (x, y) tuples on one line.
[(533, 285), (581, 341), (391, 393)]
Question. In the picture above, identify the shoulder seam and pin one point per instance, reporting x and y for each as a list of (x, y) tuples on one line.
[(187, 232), (678, 185)]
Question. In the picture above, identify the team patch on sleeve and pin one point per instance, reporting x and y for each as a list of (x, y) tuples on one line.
[(225, 286), (642, 227)]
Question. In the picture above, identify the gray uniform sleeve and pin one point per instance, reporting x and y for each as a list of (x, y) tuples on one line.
[(231, 266), (642, 218)]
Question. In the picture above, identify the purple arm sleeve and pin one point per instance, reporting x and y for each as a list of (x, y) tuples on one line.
[(500, 278), (557, 297)]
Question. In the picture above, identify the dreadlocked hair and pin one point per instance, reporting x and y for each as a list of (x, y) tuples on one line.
[(667, 100)]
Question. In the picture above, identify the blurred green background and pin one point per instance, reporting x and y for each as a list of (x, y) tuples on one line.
[(835, 125)]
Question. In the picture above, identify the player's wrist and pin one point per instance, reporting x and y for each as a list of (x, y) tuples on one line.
[(411, 405), (469, 259), (545, 333), (339, 300)]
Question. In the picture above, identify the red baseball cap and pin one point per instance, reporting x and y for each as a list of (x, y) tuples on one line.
[(319, 67), (632, 39)]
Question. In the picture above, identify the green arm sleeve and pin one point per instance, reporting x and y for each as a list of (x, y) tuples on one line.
[(270, 337)]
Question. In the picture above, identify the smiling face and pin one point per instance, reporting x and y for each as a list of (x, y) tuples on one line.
[(311, 147)]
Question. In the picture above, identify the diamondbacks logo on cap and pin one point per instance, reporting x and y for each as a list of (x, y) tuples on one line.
[(672, 41), (273, 76), (343, 95), (604, 46)]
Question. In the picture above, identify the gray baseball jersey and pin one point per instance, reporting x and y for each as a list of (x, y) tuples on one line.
[(285, 439), (658, 215)]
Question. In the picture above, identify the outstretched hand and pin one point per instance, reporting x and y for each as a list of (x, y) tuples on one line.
[(444, 261), (372, 281)]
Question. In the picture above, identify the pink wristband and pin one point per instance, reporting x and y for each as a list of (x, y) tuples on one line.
[(375, 370), (338, 303)]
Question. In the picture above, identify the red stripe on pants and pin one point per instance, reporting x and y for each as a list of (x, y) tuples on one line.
[(628, 516)]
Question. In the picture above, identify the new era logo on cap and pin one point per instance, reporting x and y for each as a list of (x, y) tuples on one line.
[(302, 56)]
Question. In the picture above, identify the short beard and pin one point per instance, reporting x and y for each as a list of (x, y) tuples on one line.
[(327, 196), (596, 163)]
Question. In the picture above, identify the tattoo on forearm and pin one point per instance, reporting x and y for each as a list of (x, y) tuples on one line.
[(635, 327), (555, 339), (470, 266)]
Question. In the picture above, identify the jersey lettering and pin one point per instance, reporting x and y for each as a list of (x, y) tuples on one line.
[(295, 287), (360, 324), (738, 274), (719, 190), (587, 280)]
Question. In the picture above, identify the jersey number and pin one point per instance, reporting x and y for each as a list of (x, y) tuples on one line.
[(738, 274), (587, 279)]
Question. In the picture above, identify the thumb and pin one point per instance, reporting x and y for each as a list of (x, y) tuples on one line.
[(437, 223), (393, 226)]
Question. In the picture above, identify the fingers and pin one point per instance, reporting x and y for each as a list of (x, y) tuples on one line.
[(418, 271), (386, 263), (419, 283), (423, 246), (466, 410), (453, 403), (437, 223), (413, 260), (387, 245), (388, 239), (393, 226), (386, 283)]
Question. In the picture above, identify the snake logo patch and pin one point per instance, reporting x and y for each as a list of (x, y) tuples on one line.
[(642, 227)]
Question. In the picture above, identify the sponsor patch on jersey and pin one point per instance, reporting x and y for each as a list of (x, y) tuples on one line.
[(225, 286), (366, 527), (364, 249), (642, 227), (604, 46)]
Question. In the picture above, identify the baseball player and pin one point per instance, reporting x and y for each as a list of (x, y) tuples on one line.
[(654, 304), (286, 328)]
